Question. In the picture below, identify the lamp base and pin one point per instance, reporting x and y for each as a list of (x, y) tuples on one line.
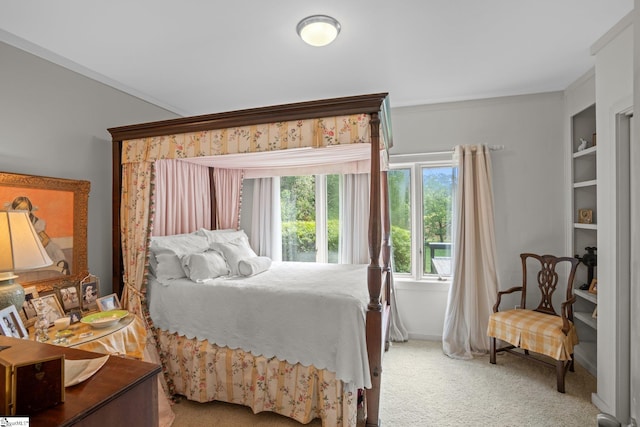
[(11, 292)]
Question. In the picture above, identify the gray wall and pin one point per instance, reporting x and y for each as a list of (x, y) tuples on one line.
[(53, 122), (528, 177)]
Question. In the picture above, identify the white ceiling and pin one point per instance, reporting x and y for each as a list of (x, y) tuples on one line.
[(207, 56)]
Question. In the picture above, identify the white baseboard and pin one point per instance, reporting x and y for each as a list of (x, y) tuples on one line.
[(600, 404), (424, 337)]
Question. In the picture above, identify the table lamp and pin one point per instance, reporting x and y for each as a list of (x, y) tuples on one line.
[(20, 250)]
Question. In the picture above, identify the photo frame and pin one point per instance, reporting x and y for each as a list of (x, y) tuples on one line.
[(593, 286), (11, 324), (89, 292), (49, 306), (595, 312), (30, 292), (68, 294), (59, 211), (108, 302), (75, 316)]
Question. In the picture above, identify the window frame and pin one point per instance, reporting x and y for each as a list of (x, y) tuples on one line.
[(415, 163)]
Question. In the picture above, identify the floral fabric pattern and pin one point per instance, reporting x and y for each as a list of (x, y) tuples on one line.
[(128, 341), (251, 139), (204, 372)]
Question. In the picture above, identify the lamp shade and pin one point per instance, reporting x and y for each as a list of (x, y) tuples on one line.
[(20, 247), (318, 30)]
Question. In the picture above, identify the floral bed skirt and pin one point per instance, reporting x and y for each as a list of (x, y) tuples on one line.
[(204, 372)]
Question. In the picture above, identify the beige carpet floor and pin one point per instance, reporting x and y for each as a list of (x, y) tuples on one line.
[(423, 387)]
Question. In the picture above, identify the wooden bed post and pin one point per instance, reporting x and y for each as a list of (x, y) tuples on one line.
[(117, 284), (386, 248), (374, 280)]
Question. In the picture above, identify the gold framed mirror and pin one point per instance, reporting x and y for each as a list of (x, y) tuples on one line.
[(58, 210)]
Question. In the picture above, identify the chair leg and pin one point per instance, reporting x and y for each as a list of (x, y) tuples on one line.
[(572, 366), (560, 371), (492, 350)]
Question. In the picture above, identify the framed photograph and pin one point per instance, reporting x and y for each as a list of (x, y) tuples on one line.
[(68, 295), (109, 302), (585, 216), (49, 306), (11, 324), (58, 209), (595, 313), (89, 287), (30, 292), (75, 316), (593, 287)]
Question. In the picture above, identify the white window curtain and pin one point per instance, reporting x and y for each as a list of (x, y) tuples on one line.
[(353, 247), (475, 282), (227, 184), (397, 331), (265, 218), (182, 198)]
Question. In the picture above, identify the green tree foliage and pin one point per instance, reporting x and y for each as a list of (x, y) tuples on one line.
[(300, 237), (400, 198), (298, 198), (401, 247), (437, 185)]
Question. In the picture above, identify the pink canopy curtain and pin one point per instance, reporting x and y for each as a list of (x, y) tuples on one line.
[(227, 184), (475, 282), (182, 197)]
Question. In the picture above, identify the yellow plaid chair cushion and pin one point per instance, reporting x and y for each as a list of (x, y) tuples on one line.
[(534, 331)]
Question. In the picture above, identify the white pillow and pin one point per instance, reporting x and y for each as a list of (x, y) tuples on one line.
[(168, 267), (253, 266), (167, 250), (179, 244), (221, 236), (206, 265), (235, 251)]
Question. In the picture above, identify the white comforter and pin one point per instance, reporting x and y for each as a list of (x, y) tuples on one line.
[(307, 313)]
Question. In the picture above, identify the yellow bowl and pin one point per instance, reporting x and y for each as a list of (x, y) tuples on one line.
[(104, 319)]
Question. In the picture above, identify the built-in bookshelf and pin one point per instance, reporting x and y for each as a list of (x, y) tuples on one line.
[(584, 186)]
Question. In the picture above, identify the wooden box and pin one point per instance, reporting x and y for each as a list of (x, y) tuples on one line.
[(29, 380)]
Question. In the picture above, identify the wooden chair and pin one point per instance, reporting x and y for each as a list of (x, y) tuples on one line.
[(540, 330)]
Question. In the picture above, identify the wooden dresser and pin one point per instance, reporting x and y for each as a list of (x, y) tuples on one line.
[(122, 392)]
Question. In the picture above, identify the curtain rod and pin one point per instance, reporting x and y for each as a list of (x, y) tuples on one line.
[(491, 148)]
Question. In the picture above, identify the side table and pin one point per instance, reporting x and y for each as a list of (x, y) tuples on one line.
[(125, 338)]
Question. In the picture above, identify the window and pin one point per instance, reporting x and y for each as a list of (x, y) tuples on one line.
[(421, 198), (310, 218)]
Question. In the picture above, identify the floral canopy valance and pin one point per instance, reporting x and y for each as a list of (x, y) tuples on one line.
[(321, 132)]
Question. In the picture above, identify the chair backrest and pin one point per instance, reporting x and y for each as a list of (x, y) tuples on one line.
[(548, 281)]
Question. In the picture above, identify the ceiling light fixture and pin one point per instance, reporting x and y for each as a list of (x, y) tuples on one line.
[(318, 30)]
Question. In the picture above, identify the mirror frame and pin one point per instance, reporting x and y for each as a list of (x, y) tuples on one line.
[(80, 190)]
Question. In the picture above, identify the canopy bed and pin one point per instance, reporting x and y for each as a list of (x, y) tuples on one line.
[(257, 376)]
